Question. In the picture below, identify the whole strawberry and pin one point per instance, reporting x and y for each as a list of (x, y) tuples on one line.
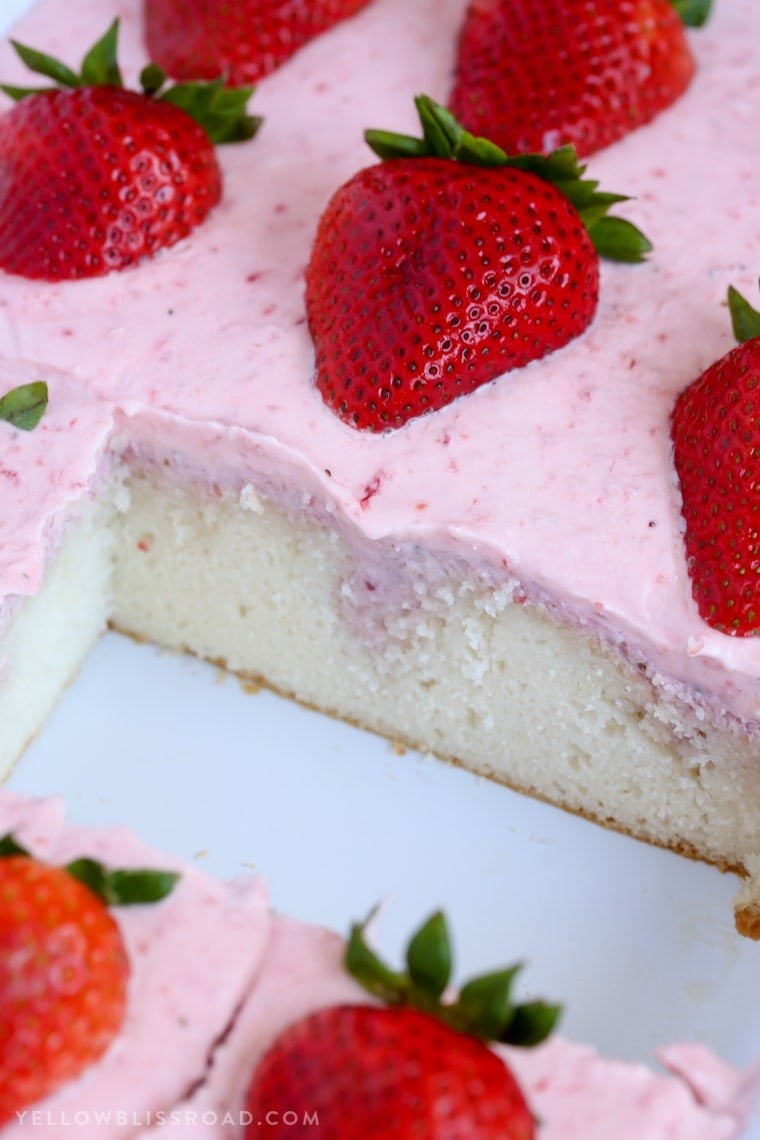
[(417, 1069), (715, 429), (94, 177), (448, 264), (241, 40), (534, 76), (363, 1072), (63, 969)]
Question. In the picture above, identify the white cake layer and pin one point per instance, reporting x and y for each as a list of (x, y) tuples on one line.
[(445, 663), (49, 637)]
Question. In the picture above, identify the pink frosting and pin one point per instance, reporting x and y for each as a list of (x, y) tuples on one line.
[(215, 979), (576, 1094), (558, 475)]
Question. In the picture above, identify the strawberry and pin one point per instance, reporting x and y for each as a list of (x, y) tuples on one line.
[(63, 968), (416, 1068), (715, 428), (535, 76), (363, 1072), (242, 40), (94, 177), (448, 264)]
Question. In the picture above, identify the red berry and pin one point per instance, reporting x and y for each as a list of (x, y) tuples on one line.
[(242, 40), (534, 76), (98, 178), (361, 1072), (429, 278), (716, 441), (63, 980)]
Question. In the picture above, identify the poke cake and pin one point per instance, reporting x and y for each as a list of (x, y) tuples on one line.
[(502, 581), (219, 995)]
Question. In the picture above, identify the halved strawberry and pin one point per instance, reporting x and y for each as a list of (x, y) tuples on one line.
[(448, 264), (418, 1066), (715, 428), (535, 76), (63, 968), (94, 177), (242, 40)]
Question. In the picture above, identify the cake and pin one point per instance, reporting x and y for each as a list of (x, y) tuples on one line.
[(502, 583), (216, 977)]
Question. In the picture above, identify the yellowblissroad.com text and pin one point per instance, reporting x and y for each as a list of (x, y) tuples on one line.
[(170, 1118)]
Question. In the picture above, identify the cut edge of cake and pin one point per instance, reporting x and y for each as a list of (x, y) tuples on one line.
[(426, 652)]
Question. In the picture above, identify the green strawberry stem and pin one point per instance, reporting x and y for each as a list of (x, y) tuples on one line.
[(24, 407), (694, 13), (113, 888), (745, 320), (220, 110), (484, 1007), (443, 137), (10, 846)]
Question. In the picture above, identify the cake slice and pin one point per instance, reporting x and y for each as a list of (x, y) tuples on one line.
[(572, 1090), (192, 960), (502, 583), (216, 979)]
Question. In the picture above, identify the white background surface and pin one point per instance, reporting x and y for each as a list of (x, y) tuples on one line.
[(637, 943)]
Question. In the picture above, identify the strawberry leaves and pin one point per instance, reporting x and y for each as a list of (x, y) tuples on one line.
[(114, 888), (484, 1007), (24, 407), (745, 320), (443, 137), (41, 64), (694, 13), (100, 67), (428, 956), (220, 110), (123, 887)]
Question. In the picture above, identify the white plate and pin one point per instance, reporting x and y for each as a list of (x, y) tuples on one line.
[(638, 943)]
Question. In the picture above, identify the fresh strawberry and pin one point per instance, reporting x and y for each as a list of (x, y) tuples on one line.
[(715, 429), (63, 968), (241, 40), (448, 264), (94, 177), (363, 1072), (534, 76), (420, 1068)]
